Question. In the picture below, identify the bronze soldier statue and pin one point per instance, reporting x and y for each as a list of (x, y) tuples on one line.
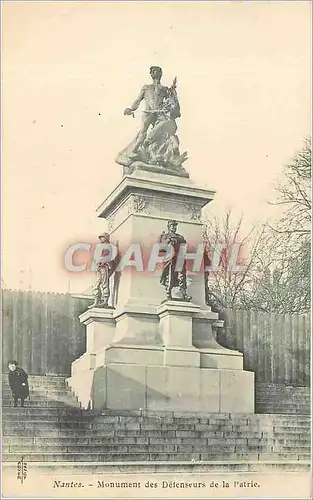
[(101, 289), (171, 277)]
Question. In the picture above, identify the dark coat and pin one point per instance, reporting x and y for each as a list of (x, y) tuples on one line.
[(16, 379)]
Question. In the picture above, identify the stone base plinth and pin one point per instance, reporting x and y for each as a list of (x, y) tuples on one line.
[(164, 358), (100, 328), (132, 387), (221, 358), (150, 352)]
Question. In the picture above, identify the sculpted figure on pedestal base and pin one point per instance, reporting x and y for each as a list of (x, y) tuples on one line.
[(101, 289), (172, 278), (156, 143)]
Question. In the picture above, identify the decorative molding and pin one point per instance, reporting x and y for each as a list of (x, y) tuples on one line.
[(140, 204), (194, 211), (110, 225), (165, 207)]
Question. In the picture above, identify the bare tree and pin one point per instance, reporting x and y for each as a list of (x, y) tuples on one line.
[(276, 258), (283, 283), (294, 195), (227, 285)]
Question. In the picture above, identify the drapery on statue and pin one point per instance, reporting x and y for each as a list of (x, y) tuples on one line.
[(101, 289), (170, 278), (156, 142)]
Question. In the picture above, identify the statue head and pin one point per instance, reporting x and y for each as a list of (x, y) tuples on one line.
[(104, 238), (172, 225), (156, 73)]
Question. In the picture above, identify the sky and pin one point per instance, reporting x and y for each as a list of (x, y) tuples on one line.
[(70, 68)]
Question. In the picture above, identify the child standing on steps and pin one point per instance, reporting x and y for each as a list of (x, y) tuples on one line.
[(18, 380)]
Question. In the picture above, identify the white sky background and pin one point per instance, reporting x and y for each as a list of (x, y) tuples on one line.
[(243, 74)]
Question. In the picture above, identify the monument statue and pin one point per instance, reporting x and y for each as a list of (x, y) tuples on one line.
[(101, 289), (156, 144), (170, 277)]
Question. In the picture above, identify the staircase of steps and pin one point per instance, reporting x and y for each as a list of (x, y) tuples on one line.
[(52, 428), (45, 391), (282, 399)]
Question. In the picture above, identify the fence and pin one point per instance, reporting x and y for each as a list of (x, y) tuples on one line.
[(275, 346), (42, 331)]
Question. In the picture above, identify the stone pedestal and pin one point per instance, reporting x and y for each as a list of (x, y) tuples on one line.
[(100, 328), (138, 211), (149, 352), (176, 323)]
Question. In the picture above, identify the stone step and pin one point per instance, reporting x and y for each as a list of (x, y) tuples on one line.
[(42, 420), (52, 431), (286, 386), (39, 382), (280, 419), (41, 412), (92, 440), (42, 403), (281, 387), (193, 429), (40, 387), (80, 433), (213, 466), (290, 430), (130, 457), (148, 423), (8, 427), (212, 419), (300, 396), (48, 416), (303, 409), (149, 448), (8, 412), (37, 401), (6, 395), (305, 439), (42, 378), (288, 403), (300, 407), (80, 440), (226, 418), (278, 428), (85, 431), (285, 408)]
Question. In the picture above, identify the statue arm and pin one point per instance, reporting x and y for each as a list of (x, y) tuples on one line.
[(138, 100)]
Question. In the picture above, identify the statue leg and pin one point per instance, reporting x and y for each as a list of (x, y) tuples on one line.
[(147, 120), (166, 280), (97, 293), (169, 291), (105, 287), (182, 283)]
